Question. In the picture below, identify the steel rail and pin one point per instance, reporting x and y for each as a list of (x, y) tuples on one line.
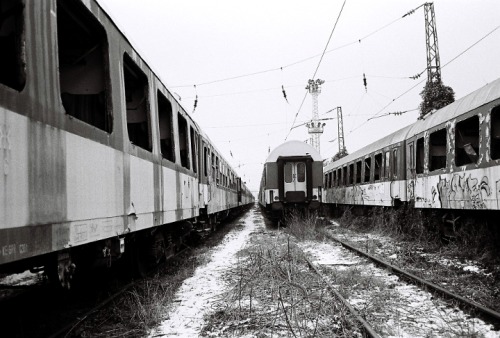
[(492, 314), (369, 331)]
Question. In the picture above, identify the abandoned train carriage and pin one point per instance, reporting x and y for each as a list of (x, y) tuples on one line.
[(93, 147), (449, 161), (373, 175), (292, 178)]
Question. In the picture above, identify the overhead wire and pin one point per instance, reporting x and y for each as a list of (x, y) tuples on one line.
[(317, 67), (299, 61)]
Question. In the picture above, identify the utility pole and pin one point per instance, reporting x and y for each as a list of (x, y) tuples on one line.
[(315, 127), (431, 39)]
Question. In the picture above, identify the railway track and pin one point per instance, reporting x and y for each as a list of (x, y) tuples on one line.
[(371, 318), (473, 308)]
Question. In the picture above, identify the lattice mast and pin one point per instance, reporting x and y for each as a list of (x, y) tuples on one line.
[(341, 130), (315, 127), (431, 39)]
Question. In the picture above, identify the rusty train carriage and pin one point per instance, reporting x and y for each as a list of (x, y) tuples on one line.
[(449, 160), (93, 147)]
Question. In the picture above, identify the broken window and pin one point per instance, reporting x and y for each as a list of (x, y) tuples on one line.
[(136, 98), (437, 150), (183, 140), (467, 141), (167, 145), (358, 172), (12, 42), (194, 149), (420, 156), (351, 174), (378, 166), (368, 164), (83, 64), (495, 133)]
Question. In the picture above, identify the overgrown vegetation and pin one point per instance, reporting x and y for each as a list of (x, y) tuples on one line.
[(419, 235), (274, 293), (435, 96)]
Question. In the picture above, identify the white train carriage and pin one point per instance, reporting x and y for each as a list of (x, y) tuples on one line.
[(372, 176), (454, 154), (93, 147)]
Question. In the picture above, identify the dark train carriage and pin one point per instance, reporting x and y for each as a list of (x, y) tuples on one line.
[(292, 178)]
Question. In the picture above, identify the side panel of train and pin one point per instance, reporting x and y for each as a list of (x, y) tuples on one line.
[(92, 145), (377, 179), (455, 165)]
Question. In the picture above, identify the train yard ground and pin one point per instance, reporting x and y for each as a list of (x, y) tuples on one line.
[(255, 282), (252, 279)]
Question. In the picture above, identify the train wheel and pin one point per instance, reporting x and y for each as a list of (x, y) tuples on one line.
[(60, 270), (149, 252)]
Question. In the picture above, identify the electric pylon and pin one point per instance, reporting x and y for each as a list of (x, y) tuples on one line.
[(315, 127), (431, 39)]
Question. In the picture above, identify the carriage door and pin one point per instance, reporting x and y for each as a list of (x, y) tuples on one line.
[(295, 181)]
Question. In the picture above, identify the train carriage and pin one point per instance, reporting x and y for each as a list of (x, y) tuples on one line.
[(291, 178), (371, 176), (93, 147), (454, 154)]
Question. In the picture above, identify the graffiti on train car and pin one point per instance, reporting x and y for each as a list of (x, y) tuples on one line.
[(463, 192), (5, 148)]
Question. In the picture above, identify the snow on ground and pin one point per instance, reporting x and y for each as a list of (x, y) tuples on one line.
[(408, 311), (197, 293)]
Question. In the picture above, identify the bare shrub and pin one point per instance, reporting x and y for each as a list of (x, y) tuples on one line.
[(275, 293)]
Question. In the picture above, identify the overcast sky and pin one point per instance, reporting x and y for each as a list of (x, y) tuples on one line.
[(239, 54)]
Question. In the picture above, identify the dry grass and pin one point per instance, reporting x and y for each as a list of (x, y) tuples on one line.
[(274, 293)]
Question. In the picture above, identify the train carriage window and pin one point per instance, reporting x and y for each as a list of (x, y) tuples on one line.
[(206, 160), (358, 172), (378, 167), (216, 172), (395, 168), (411, 157), (467, 141), (136, 96), (344, 176), (334, 178), (437, 150), (83, 65), (350, 174), (12, 57), (326, 180), (495, 133), (368, 164), (339, 177), (288, 172), (387, 165), (183, 140), (419, 169), (194, 149), (167, 145)]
